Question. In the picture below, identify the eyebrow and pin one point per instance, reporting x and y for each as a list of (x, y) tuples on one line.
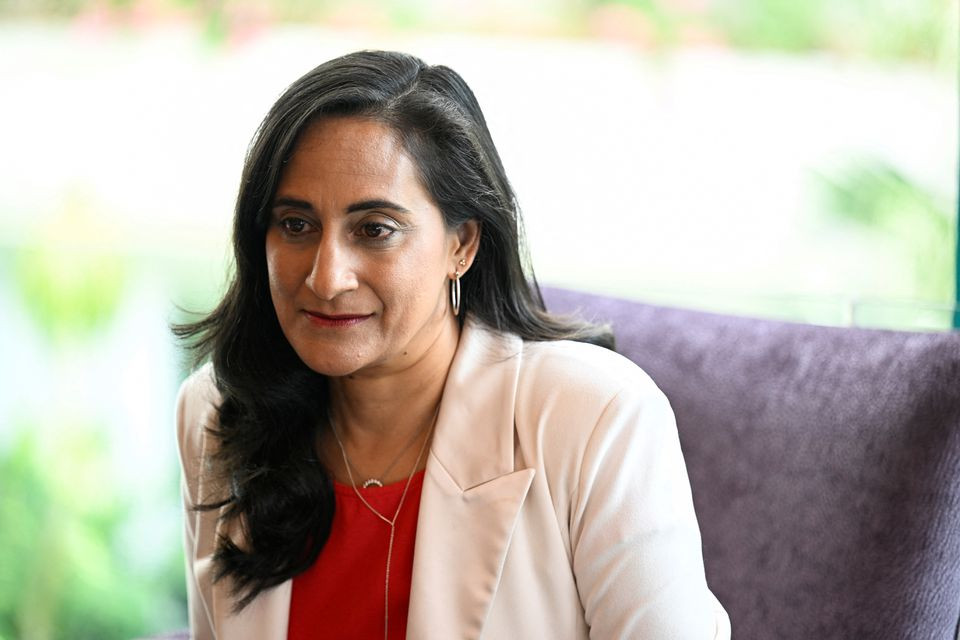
[(366, 205), (363, 205)]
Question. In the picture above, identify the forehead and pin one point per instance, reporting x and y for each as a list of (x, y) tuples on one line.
[(338, 162), (349, 146)]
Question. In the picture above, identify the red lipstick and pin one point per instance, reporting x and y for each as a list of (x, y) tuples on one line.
[(345, 320)]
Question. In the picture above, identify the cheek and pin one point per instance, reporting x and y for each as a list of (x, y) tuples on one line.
[(281, 276), (422, 280), (410, 286)]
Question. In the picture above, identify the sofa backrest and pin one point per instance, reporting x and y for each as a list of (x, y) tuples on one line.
[(824, 463)]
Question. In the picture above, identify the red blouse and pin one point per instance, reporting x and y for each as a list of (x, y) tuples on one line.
[(341, 595)]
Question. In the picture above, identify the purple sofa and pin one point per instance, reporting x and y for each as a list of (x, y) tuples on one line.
[(824, 462)]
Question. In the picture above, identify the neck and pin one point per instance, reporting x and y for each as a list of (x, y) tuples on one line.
[(377, 414)]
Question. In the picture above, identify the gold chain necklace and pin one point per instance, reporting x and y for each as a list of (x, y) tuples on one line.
[(391, 522), (376, 480)]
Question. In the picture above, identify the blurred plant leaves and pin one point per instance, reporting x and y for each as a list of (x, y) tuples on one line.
[(918, 30), (60, 579), (874, 195), (63, 570), (69, 284), (915, 30)]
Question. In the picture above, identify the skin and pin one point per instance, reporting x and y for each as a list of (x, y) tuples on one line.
[(359, 261)]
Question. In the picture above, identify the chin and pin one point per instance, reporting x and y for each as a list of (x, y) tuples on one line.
[(332, 368), (331, 358), (337, 361)]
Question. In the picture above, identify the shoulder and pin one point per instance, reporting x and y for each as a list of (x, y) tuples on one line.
[(197, 399), (197, 403), (582, 372), (575, 398)]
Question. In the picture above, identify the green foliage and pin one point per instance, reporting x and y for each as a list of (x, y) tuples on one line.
[(215, 28), (63, 574), (876, 196), (407, 15), (68, 284), (68, 292), (51, 8), (773, 24), (918, 30)]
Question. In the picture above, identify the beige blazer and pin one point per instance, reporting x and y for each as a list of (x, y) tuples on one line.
[(555, 504)]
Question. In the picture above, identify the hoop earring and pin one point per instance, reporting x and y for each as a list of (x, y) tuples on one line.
[(455, 293)]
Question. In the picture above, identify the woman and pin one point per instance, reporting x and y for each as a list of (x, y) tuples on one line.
[(393, 437)]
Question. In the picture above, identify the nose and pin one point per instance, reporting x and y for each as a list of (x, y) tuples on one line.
[(333, 271)]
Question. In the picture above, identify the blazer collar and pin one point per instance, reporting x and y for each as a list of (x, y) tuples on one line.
[(469, 440)]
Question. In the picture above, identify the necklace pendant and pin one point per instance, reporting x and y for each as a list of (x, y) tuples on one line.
[(372, 482)]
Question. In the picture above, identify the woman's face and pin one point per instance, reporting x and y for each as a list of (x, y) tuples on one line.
[(358, 255)]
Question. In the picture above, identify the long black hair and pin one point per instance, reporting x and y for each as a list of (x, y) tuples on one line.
[(272, 403)]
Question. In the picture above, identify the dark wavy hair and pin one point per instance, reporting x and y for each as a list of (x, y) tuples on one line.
[(272, 404)]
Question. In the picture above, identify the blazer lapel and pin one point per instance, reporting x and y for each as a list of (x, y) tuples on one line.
[(471, 493)]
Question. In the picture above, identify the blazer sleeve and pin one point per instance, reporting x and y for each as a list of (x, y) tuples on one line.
[(196, 405), (634, 536)]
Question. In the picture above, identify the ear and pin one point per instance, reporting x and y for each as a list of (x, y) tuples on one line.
[(466, 241)]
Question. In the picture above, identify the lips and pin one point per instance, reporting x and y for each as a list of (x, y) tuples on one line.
[(340, 320)]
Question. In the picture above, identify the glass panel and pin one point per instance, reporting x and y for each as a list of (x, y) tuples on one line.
[(837, 311)]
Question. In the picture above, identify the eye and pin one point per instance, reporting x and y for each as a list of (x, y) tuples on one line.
[(375, 230), (294, 226)]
